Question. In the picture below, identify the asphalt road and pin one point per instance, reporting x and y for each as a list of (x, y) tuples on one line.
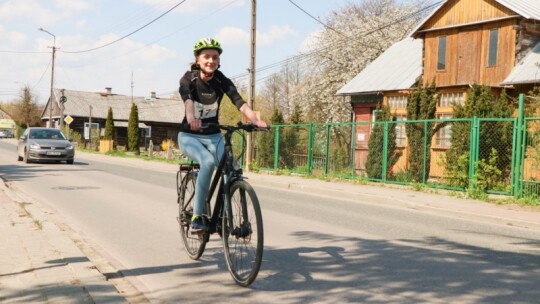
[(318, 249)]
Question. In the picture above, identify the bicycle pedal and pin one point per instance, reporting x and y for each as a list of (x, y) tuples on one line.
[(197, 232)]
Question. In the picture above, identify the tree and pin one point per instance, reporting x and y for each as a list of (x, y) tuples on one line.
[(25, 110), (374, 162), (421, 105), (495, 137), (266, 142), (109, 125), (355, 35), (132, 144)]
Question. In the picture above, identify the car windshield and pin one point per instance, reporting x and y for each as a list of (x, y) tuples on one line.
[(46, 134)]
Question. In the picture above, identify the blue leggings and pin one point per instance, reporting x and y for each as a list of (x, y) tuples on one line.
[(206, 150)]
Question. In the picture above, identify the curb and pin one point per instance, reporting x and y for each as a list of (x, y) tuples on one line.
[(406, 198), (85, 264)]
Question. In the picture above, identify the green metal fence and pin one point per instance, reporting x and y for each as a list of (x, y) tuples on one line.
[(530, 176), (496, 155)]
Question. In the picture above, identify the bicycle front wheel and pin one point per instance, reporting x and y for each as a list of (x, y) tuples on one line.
[(244, 238), (194, 243)]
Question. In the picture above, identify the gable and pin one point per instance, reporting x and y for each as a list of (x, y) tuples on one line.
[(459, 12), (454, 13)]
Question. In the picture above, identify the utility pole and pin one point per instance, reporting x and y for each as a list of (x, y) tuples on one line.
[(52, 76), (251, 100), (63, 100), (90, 128)]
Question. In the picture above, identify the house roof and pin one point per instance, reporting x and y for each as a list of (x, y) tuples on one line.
[(399, 67), (529, 9), (149, 109), (527, 70)]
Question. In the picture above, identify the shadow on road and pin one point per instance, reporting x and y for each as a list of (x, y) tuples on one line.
[(371, 271), (27, 171)]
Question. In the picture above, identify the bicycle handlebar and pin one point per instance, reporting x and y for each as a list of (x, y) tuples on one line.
[(229, 128)]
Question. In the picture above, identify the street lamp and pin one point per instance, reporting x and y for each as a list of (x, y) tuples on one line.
[(52, 74)]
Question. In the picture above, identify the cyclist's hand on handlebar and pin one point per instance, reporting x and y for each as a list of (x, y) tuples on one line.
[(261, 124), (195, 124)]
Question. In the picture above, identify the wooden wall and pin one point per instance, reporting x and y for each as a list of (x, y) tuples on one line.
[(467, 54), (467, 11)]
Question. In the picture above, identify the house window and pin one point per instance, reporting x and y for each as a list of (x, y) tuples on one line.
[(397, 102), (401, 136), (148, 132), (493, 43), (374, 114), (444, 134), (441, 58), (449, 99)]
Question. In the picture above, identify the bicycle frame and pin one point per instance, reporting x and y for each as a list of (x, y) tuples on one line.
[(224, 176)]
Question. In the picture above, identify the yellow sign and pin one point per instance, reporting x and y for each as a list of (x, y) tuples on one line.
[(68, 119)]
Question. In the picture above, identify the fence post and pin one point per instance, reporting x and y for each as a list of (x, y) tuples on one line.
[(353, 148), (385, 152), (522, 130), (327, 152), (310, 149), (474, 147), (425, 152), (276, 147)]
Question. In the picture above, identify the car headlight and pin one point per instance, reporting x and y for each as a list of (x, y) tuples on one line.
[(34, 146), (69, 147)]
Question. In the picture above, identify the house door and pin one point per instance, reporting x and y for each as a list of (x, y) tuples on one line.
[(469, 50)]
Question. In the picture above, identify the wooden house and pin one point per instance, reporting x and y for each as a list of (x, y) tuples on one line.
[(462, 42), (159, 118)]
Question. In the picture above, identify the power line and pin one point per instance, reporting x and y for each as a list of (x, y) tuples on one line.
[(125, 36), (316, 19), (43, 74), (312, 54), (158, 39)]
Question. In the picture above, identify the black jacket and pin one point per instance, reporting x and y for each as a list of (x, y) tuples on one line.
[(207, 96)]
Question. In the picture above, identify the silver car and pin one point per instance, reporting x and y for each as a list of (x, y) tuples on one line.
[(5, 134), (44, 144)]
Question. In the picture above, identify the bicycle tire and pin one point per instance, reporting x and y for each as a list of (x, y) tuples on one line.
[(193, 243), (178, 182), (243, 244)]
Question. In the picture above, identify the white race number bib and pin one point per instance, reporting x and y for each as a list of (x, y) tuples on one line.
[(203, 111)]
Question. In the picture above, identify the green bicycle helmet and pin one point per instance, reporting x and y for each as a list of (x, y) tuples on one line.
[(206, 43)]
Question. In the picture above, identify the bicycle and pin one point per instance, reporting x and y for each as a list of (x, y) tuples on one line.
[(236, 216)]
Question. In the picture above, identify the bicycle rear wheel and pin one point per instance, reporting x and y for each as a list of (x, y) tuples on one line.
[(194, 243), (244, 238)]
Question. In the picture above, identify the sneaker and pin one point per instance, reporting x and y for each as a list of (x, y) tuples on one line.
[(198, 225)]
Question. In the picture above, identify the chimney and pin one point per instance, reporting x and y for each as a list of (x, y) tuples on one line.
[(108, 91), (153, 95)]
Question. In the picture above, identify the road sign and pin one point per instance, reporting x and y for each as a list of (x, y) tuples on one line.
[(68, 119)]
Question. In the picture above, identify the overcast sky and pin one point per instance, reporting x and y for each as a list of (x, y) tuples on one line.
[(157, 55)]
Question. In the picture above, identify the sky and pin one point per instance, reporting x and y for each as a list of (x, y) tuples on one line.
[(153, 58)]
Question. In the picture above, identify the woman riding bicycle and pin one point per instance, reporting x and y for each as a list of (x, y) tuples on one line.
[(202, 88)]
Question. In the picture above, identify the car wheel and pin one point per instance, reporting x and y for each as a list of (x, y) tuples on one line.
[(70, 161), (19, 158), (25, 158)]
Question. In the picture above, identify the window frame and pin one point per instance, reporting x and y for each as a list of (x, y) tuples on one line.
[(441, 52), (493, 47), (443, 136), (401, 132)]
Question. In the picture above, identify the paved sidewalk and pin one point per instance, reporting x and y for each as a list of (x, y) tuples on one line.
[(39, 263)]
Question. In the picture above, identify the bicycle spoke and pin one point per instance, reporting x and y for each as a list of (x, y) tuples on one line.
[(244, 243), (194, 244)]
